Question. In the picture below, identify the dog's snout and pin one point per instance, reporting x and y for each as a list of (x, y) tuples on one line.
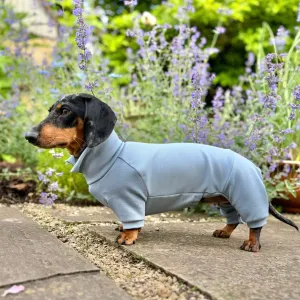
[(32, 137)]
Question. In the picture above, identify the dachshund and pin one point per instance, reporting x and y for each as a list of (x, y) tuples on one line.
[(137, 179)]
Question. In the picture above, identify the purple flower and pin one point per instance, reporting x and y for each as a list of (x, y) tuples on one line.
[(287, 131), (60, 13), (292, 115), (47, 198), (40, 176), (189, 7), (278, 139), (273, 167), (296, 92), (49, 172), (195, 103), (287, 168), (77, 11), (273, 151), (281, 36), (91, 85), (272, 63), (272, 81), (220, 30), (270, 101), (250, 62), (201, 121), (218, 100), (253, 139), (44, 72)]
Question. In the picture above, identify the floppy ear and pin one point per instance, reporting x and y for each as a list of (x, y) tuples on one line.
[(99, 120)]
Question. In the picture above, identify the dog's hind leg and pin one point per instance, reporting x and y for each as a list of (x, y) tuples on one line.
[(233, 220), (253, 244), (226, 232)]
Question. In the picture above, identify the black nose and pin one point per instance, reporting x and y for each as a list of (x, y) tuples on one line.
[(31, 137)]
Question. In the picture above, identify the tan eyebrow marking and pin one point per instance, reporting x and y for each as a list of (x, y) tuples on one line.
[(58, 106)]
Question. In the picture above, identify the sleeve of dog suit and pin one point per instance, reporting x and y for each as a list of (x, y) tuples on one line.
[(230, 213), (127, 195)]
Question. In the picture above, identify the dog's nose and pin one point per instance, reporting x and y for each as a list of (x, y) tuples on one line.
[(31, 137)]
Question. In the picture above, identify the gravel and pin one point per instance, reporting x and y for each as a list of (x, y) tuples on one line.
[(136, 277)]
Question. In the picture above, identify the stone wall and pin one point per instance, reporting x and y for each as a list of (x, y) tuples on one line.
[(38, 19)]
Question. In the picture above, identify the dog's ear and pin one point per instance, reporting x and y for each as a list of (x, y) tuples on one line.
[(99, 120)]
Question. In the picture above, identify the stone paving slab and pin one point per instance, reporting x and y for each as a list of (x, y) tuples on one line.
[(28, 252), (48, 269), (217, 266), (89, 286), (77, 214)]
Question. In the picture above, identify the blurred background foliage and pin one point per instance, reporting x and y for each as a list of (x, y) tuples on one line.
[(243, 28), (148, 110)]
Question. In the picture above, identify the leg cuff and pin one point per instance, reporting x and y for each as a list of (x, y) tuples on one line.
[(256, 224)]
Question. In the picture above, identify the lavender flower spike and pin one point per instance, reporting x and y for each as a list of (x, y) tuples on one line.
[(296, 92)]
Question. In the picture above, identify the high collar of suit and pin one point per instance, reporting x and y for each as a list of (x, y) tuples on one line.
[(94, 162)]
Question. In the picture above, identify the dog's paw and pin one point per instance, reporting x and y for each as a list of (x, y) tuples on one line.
[(119, 228), (250, 246), (220, 233), (127, 237)]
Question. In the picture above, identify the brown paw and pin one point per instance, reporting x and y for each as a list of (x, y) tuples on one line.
[(128, 237), (250, 246), (220, 233)]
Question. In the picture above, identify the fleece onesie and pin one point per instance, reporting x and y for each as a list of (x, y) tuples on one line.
[(138, 179)]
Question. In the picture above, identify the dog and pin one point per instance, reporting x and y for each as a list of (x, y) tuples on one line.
[(138, 179)]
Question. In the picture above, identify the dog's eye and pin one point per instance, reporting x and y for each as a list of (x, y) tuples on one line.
[(65, 111)]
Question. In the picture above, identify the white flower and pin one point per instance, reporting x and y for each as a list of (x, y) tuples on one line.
[(148, 19)]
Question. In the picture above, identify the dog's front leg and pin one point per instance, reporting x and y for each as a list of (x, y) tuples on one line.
[(128, 236), (226, 232), (253, 244), (119, 228)]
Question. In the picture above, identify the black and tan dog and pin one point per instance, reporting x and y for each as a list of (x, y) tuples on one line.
[(136, 179)]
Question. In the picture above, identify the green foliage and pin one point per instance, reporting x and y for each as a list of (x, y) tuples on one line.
[(243, 30), (73, 186), (12, 142)]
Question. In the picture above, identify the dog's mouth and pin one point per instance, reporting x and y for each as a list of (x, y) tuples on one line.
[(61, 145), (51, 146)]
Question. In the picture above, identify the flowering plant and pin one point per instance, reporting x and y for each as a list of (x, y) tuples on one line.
[(173, 95), (259, 118)]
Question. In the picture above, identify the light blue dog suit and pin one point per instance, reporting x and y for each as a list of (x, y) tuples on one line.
[(138, 179)]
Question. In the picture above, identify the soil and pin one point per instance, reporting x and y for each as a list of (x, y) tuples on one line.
[(14, 189)]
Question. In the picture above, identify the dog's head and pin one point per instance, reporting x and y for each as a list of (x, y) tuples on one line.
[(74, 122)]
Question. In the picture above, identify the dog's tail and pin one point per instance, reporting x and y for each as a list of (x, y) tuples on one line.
[(280, 217)]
